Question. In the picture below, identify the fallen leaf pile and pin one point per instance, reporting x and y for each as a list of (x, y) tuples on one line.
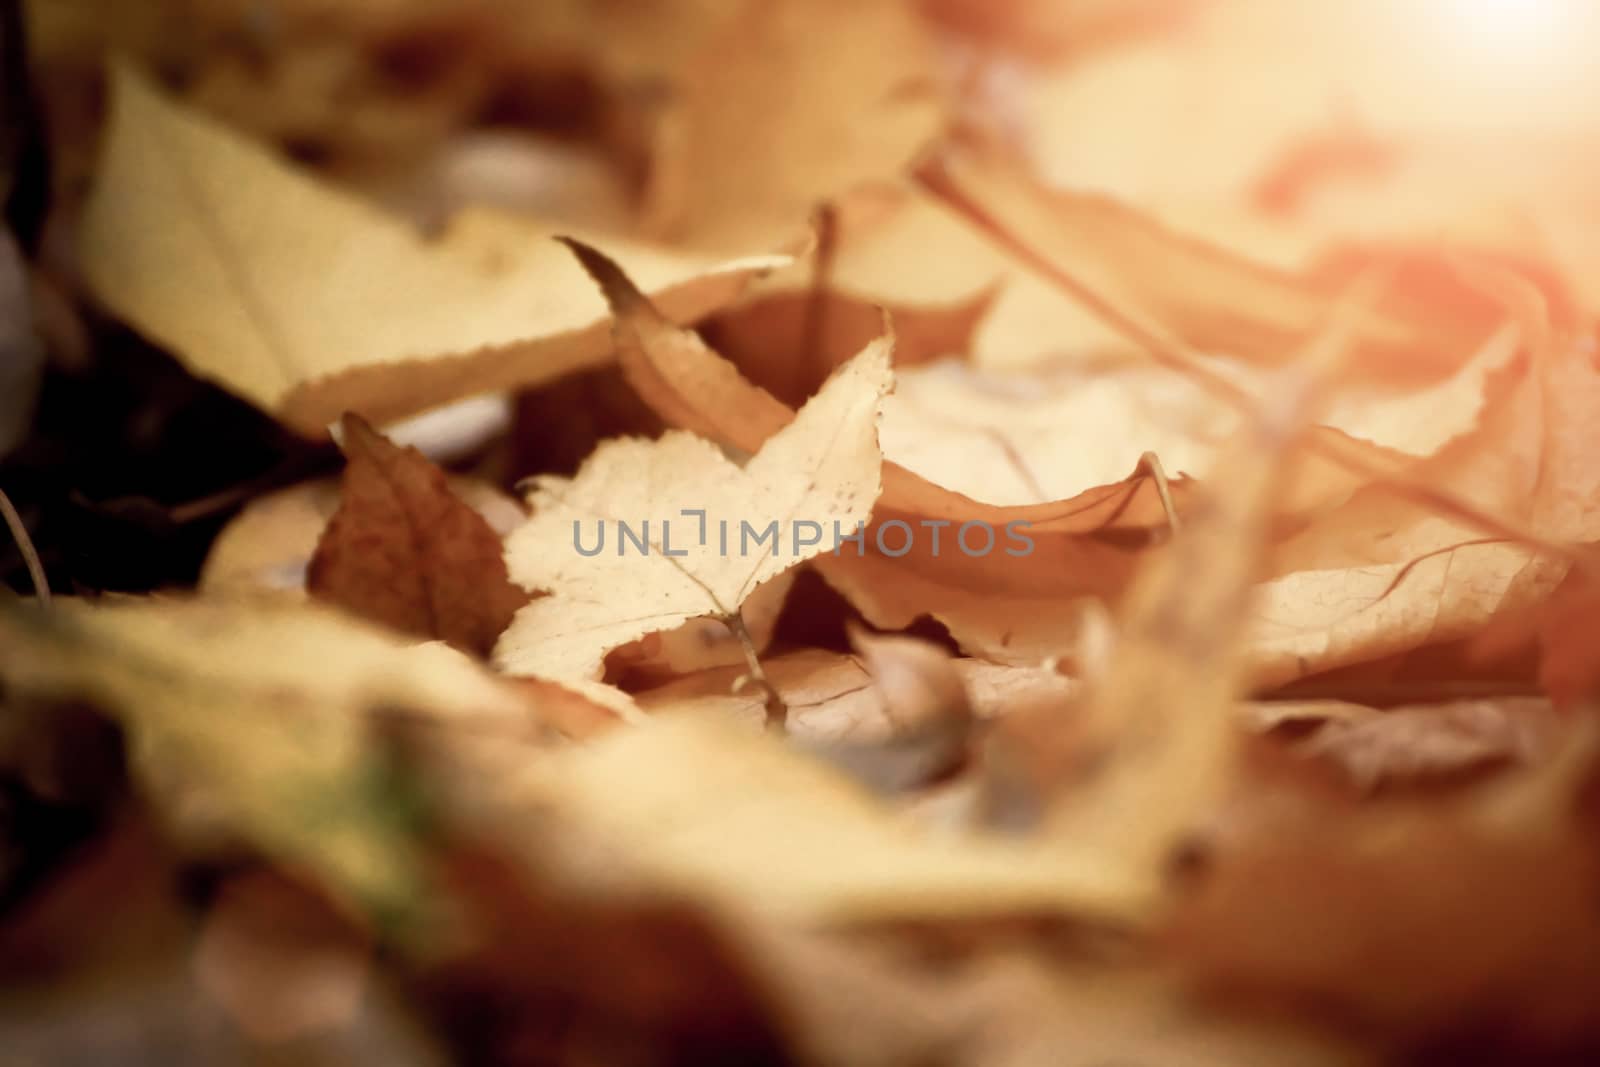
[(861, 532)]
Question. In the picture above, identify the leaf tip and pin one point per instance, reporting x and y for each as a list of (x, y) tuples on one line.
[(355, 432), (618, 289)]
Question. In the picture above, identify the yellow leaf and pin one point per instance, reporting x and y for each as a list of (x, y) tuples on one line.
[(818, 474), (792, 103), (309, 303), (257, 723), (733, 814)]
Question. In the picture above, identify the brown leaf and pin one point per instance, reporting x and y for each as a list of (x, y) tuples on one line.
[(405, 551), (267, 547), (788, 342), (1387, 572), (1421, 915)]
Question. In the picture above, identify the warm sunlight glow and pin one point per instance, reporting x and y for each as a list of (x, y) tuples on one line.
[(1509, 25), (1508, 64)]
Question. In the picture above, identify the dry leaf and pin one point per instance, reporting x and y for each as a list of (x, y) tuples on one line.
[(1466, 916), (899, 247), (929, 714), (1158, 730), (781, 110), (256, 723), (308, 303), (1430, 743), (1180, 286), (694, 388), (981, 597), (788, 342), (405, 551), (1343, 616), (820, 471), (1067, 428), (708, 643), (733, 816), (1004, 606), (1089, 301), (1386, 573), (268, 546)]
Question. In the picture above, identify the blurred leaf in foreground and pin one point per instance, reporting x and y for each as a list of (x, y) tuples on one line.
[(255, 723)]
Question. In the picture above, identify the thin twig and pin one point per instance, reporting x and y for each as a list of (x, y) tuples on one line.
[(777, 710), (19, 532)]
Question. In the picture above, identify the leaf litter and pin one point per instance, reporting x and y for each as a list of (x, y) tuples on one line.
[(972, 573)]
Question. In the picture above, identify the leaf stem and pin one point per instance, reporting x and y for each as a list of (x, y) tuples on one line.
[(777, 710)]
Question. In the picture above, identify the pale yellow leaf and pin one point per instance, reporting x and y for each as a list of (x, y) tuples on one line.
[(1072, 425), (822, 469), (308, 302)]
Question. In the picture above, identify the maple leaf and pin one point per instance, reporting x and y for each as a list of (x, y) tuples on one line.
[(310, 303), (405, 551), (821, 470), (984, 601), (703, 644)]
